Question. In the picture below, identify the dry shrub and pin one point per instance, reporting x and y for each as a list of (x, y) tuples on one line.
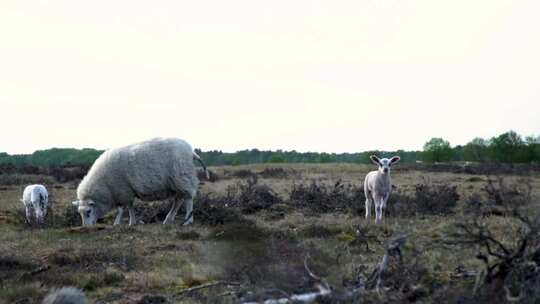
[(24, 179), (252, 197), (499, 198), (401, 205), (490, 168), (511, 269), (243, 173), (435, 199), (215, 210), (276, 173), (321, 198)]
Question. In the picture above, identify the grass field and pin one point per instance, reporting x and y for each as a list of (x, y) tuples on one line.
[(258, 250)]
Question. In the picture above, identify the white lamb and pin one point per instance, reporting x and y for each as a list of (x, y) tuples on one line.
[(378, 186), (157, 169), (35, 198)]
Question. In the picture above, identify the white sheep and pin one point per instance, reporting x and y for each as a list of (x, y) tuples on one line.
[(156, 169), (378, 186), (36, 201)]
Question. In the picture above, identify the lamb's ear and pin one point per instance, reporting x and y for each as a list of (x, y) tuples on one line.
[(375, 160), (76, 203), (394, 159)]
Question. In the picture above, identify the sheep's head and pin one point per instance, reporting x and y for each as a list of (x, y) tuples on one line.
[(89, 211), (384, 164)]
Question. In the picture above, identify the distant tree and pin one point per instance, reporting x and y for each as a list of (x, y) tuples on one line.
[(276, 159), (437, 150), (508, 147), (476, 150)]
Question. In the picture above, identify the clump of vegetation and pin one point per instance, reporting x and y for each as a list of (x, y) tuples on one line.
[(499, 198), (216, 210), (511, 269), (243, 173), (252, 197), (275, 173), (321, 198), (435, 199)]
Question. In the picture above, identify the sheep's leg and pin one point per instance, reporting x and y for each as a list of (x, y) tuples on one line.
[(189, 211), (378, 210), (132, 217), (118, 218), (172, 214), (383, 204), (28, 214), (368, 207)]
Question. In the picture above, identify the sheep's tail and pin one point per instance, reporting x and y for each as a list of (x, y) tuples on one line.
[(199, 159)]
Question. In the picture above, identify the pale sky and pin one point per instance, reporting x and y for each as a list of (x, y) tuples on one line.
[(333, 76)]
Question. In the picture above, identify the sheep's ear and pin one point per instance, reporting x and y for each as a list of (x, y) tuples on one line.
[(375, 160), (75, 203), (394, 159)]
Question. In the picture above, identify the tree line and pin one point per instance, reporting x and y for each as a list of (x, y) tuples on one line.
[(508, 147)]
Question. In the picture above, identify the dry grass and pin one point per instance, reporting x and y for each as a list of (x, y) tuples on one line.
[(262, 252)]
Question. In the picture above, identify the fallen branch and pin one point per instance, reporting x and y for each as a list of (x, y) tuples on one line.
[(307, 297), (207, 285)]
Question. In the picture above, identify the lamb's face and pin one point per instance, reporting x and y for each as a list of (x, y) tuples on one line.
[(88, 211), (384, 164)]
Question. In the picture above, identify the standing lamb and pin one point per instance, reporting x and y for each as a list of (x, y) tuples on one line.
[(35, 198), (378, 186), (156, 169)]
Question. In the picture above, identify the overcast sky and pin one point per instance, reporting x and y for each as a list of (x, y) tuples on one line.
[(334, 76)]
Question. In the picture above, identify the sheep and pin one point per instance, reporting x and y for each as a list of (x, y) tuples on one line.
[(378, 186), (156, 169), (65, 295), (35, 198)]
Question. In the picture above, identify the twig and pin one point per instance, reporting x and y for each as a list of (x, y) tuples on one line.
[(207, 285), (35, 271)]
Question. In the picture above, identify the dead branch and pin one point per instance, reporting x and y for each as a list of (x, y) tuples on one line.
[(393, 248), (207, 285)]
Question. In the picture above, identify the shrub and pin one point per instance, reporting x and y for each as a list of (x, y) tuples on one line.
[(435, 199), (322, 198)]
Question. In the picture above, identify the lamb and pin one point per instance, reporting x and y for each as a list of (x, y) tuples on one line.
[(378, 186), (35, 198), (156, 169)]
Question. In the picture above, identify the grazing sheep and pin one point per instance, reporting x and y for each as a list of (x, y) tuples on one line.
[(378, 186), (65, 295), (35, 198), (157, 169)]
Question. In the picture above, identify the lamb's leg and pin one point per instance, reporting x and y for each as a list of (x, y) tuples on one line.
[(132, 217), (378, 210), (172, 213), (28, 214), (189, 211), (368, 207), (118, 218)]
